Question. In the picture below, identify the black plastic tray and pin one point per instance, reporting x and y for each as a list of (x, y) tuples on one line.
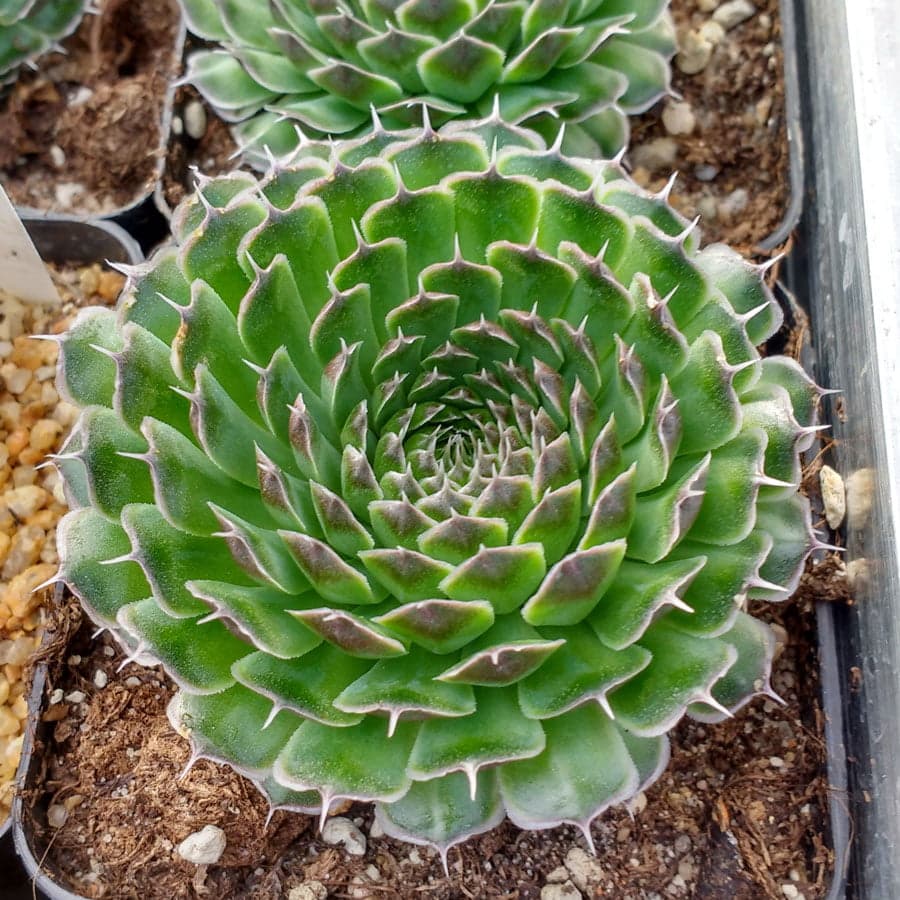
[(145, 217)]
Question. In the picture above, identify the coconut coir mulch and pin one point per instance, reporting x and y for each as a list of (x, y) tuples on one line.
[(84, 134), (740, 811)]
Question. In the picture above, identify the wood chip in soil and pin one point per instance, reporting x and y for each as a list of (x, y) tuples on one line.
[(83, 134)]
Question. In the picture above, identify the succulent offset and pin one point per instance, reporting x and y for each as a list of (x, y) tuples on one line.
[(322, 66), (29, 28), (437, 470)]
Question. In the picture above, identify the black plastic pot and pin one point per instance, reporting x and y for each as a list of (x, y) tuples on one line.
[(793, 112), (833, 648), (849, 256), (146, 216), (58, 239)]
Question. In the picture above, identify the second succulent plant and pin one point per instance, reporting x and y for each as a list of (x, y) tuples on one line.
[(322, 66), (29, 28)]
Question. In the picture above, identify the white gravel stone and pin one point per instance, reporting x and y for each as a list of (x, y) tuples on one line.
[(57, 815), (656, 155), (729, 15), (678, 118), (833, 496), (735, 203), (56, 696), (204, 847), (860, 488), (67, 191), (100, 678), (309, 890), (376, 831), (790, 891), (712, 31), (694, 52), (195, 119), (57, 156), (566, 891), (682, 843), (586, 872), (75, 697), (558, 875), (342, 831)]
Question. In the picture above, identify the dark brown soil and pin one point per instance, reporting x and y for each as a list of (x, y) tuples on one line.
[(739, 143), (84, 134), (215, 152), (741, 810)]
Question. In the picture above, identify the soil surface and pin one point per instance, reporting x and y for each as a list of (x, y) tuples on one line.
[(741, 811), (725, 132), (84, 134)]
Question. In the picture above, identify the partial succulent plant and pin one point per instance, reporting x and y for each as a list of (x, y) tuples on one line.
[(322, 65), (437, 469), (29, 28)]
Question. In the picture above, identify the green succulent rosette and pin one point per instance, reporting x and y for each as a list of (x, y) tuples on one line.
[(29, 28), (437, 469), (320, 66)]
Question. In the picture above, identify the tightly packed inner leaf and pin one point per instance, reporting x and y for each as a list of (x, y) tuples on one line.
[(322, 66), (29, 28), (436, 469)]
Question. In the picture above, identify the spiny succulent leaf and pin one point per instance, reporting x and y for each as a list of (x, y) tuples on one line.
[(443, 445)]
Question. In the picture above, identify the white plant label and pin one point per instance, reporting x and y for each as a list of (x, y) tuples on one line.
[(22, 271)]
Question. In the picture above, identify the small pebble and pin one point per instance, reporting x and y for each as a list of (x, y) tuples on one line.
[(735, 203), (790, 891), (694, 53), (678, 118), (712, 31), (100, 678), (731, 14), (776, 762), (132, 681), (834, 496), (57, 815), (204, 847), (194, 117), (309, 890), (57, 156), (860, 487), (339, 830), (75, 697), (683, 843), (706, 172), (584, 869), (558, 875), (656, 155), (565, 891), (56, 696)]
